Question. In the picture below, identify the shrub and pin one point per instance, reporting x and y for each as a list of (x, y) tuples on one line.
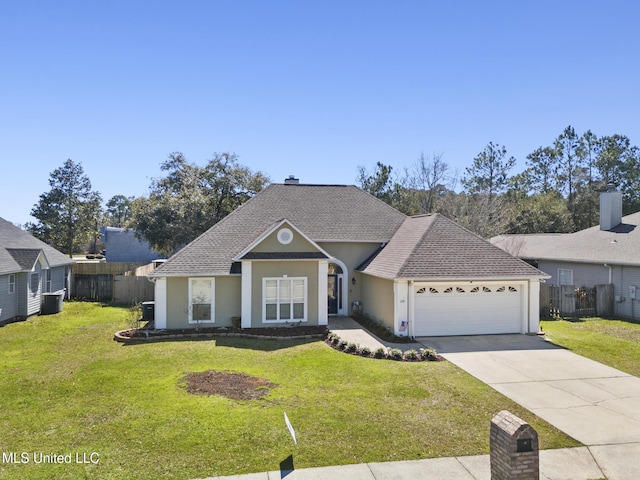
[(379, 353), (429, 354), (134, 315), (351, 348), (395, 353), (335, 340), (342, 345), (365, 351), (411, 355)]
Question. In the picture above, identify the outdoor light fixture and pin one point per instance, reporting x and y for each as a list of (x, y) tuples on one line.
[(353, 281)]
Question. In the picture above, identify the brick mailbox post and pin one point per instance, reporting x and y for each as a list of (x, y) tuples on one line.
[(514, 449)]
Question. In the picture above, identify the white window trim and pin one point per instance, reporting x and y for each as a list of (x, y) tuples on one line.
[(34, 279), (570, 270), (12, 283), (264, 300), (213, 301)]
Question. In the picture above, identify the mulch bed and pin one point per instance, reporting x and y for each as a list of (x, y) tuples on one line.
[(281, 333), (237, 386)]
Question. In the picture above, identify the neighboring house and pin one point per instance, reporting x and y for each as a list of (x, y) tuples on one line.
[(123, 246), (608, 253), (299, 253), (28, 268)]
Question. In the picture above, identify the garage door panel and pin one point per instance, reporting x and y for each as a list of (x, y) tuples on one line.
[(460, 311)]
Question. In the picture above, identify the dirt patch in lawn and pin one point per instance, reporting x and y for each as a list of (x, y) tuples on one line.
[(237, 386)]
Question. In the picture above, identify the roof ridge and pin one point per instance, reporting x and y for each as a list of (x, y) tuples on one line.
[(422, 237)]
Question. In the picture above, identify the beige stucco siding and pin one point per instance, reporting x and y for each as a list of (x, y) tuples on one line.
[(227, 302), (178, 303), (271, 244), (260, 270), (352, 254), (377, 299)]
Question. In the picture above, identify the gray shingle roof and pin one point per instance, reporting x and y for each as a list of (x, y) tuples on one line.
[(322, 212), (620, 245), (422, 247), (435, 247), (17, 248), (25, 257)]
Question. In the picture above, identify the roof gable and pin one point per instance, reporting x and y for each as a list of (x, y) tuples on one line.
[(325, 213), (435, 247), (12, 237), (26, 258), (283, 240)]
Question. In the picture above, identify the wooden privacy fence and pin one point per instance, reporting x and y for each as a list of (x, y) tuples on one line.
[(115, 282), (569, 301)]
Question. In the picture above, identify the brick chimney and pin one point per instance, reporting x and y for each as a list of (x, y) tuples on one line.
[(610, 208), (292, 180)]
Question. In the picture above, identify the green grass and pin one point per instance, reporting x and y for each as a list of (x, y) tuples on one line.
[(613, 342), (67, 387)]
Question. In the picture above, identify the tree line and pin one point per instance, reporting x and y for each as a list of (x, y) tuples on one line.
[(556, 193), (181, 205)]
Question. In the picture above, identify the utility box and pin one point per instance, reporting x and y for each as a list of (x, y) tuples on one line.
[(514, 448), (148, 310), (51, 302)]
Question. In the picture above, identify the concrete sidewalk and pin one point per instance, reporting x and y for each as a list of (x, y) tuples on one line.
[(351, 331), (562, 464)]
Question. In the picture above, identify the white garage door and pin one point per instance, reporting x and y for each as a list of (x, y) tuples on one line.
[(467, 309)]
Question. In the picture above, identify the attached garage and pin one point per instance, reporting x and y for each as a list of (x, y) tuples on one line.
[(468, 308)]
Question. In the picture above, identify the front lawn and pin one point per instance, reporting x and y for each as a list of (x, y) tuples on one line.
[(613, 342), (69, 392)]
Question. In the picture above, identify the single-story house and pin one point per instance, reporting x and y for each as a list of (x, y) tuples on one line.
[(608, 253), (28, 269), (299, 253), (122, 245)]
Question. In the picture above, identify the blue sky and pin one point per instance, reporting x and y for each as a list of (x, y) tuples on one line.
[(312, 89)]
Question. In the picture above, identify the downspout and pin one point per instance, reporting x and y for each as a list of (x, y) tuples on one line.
[(410, 311)]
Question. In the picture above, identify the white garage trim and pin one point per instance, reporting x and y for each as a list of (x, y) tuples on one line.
[(469, 308)]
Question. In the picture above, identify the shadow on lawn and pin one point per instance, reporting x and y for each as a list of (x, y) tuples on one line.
[(264, 345)]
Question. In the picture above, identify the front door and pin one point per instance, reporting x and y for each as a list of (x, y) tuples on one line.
[(332, 292)]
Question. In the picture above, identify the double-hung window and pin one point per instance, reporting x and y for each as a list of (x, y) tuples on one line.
[(12, 283), (284, 299), (201, 300)]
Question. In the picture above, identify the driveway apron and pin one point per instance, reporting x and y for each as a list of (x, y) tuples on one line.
[(593, 403)]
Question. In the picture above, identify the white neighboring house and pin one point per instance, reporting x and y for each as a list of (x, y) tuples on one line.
[(28, 269)]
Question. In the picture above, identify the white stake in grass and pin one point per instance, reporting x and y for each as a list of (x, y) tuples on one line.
[(291, 431)]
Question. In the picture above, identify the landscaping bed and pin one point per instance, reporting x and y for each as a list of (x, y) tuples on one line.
[(276, 333)]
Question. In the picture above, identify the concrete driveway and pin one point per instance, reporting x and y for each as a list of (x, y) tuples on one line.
[(593, 403)]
